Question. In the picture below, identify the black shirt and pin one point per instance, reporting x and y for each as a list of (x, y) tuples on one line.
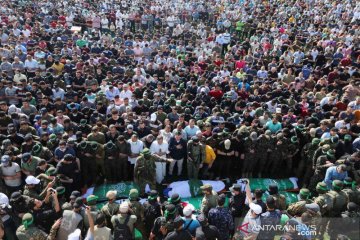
[(209, 232), (179, 235)]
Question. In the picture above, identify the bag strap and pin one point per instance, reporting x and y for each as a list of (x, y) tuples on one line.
[(188, 225), (127, 219)]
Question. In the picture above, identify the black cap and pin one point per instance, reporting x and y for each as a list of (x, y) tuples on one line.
[(78, 202), (26, 157), (235, 187), (15, 196), (75, 194)]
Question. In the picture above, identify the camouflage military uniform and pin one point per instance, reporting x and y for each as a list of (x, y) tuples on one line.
[(325, 202), (209, 201), (280, 153), (320, 170), (251, 155), (266, 144), (43, 153), (144, 171), (280, 201), (340, 201), (305, 169), (110, 209), (298, 208), (34, 233), (138, 210), (196, 155), (110, 161), (88, 162)]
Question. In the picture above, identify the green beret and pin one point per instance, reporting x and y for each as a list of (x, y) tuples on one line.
[(83, 121), (133, 194), (145, 151), (305, 193), (337, 185), (91, 200)]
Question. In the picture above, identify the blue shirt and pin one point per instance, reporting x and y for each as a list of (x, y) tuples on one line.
[(191, 227), (332, 174), (273, 127)]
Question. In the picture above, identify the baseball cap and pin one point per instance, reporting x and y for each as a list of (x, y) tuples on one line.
[(5, 158), (255, 208), (26, 157), (31, 180)]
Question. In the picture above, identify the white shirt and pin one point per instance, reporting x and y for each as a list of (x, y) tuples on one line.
[(125, 94), (159, 148), (31, 65), (136, 148)]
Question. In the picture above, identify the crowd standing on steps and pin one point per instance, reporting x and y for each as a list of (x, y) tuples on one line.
[(95, 92)]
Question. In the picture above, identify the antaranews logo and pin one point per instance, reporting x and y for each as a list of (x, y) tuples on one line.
[(302, 230)]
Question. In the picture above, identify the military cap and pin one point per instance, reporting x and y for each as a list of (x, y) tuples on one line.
[(304, 193), (50, 171), (109, 145), (145, 151), (315, 141), (207, 187), (321, 187), (36, 148), (26, 157), (27, 220), (294, 139), (337, 184), (153, 194), (175, 198), (91, 200)]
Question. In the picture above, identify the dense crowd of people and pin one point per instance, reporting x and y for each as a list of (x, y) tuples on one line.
[(95, 92)]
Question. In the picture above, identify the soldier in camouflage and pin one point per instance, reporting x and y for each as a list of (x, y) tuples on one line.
[(305, 169), (266, 145), (111, 208), (137, 209), (42, 152), (280, 199), (298, 208), (251, 155), (325, 202), (28, 231), (322, 164), (196, 156), (144, 171), (110, 161), (280, 153), (340, 201)]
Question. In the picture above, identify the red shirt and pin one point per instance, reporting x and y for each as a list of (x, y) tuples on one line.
[(217, 94)]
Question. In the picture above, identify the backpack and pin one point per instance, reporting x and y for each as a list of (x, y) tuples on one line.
[(150, 214), (121, 230)]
